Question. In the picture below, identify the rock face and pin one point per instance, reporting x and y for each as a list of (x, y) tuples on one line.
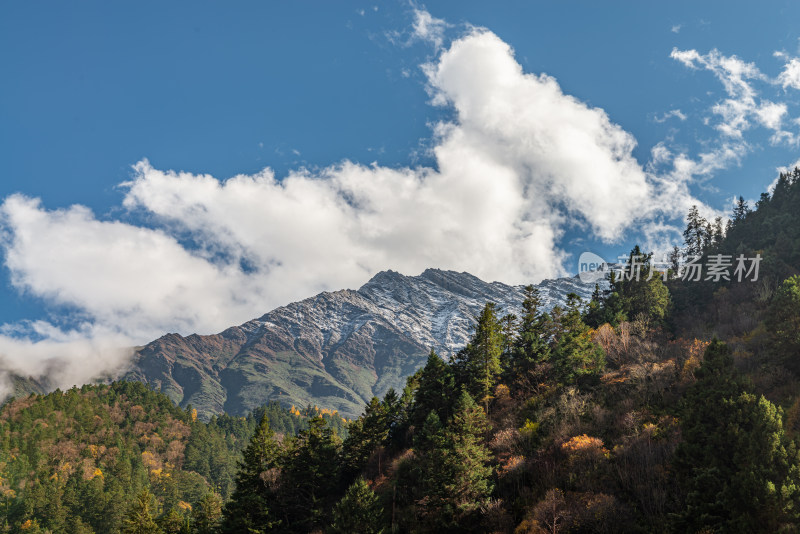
[(336, 349)]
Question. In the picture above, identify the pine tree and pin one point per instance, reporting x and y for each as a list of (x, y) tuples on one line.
[(207, 514), (311, 476), (359, 511), (251, 508), (783, 322), (740, 211), (530, 346), (453, 472), (173, 522), (434, 392), (738, 470), (470, 485), (696, 235), (365, 435), (479, 361), (646, 297), (432, 474), (575, 355), (140, 516)]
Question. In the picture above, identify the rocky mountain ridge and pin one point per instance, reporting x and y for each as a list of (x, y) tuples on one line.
[(336, 349)]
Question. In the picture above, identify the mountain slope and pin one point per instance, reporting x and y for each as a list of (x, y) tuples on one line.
[(334, 349)]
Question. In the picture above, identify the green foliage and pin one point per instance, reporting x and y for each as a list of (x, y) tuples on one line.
[(574, 354), (783, 322), (310, 472), (530, 348), (249, 509), (359, 511), (434, 392), (739, 470), (140, 516), (638, 293), (452, 472), (478, 363), (207, 514)]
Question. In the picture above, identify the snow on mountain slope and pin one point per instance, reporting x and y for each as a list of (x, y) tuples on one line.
[(336, 349)]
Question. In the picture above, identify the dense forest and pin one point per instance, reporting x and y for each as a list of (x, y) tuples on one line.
[(668, 403)]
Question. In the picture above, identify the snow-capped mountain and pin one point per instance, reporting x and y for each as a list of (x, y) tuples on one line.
[(335, 349)]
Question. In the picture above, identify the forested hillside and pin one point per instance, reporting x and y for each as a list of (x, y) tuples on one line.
[(77, 461), (664, 404)]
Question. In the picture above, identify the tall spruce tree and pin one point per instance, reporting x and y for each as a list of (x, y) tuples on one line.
[(252, 505), (140, 518), (311, 476), (575, 355), (435, 391), (783, 323), (738, 471), (359, 511), (479, 362), (530, 346)]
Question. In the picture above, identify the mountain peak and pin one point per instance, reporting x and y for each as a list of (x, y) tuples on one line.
[(384, 277), (334, 349)]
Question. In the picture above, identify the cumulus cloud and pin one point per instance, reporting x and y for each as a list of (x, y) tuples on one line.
[(519, 163)]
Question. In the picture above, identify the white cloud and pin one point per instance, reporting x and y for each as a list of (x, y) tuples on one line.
[(676, 28), (790, 77), (673, 113), (518, 164), (428, 28), (743, 106)]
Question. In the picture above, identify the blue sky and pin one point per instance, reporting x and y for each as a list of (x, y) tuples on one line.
[(506, 172)]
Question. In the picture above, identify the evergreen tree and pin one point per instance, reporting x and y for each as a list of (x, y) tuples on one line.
[(251, 508), (453, 472), (530, 346), (431, 475), (508, 331), (740, 211), (737, 468), (783, 323), (311, 476), (435, 391), (479, 361), (173, 522), (207, 514), (365, 435), (359, 511), (697, 233), (575, 355), (140, 518), (470, 486)]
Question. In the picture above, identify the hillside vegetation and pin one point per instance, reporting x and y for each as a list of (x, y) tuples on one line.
[(658, 406)]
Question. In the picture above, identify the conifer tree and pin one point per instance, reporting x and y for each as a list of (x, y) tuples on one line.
[(479, 361), (359, 511), (311, 476), (530, 346), (574, 353), (453, 471), (251, 508), (696, 235), (434, 392), (738, 470), (207, 514), (783, 323), (366, 434), (140, 518), (470, 485)]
